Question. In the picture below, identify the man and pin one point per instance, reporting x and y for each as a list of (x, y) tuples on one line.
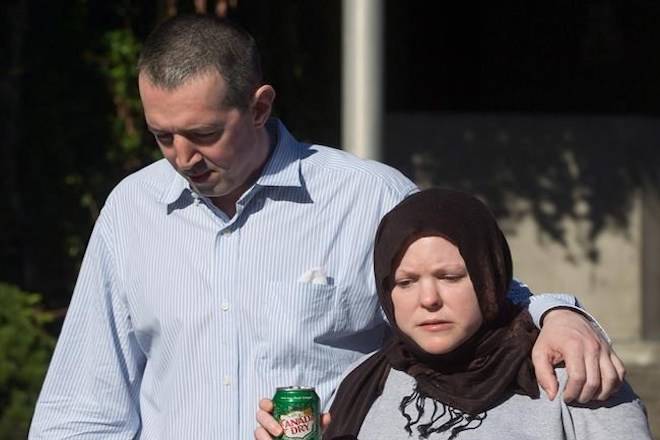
[(239, 263)]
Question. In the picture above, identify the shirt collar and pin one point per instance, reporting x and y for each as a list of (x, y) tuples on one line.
[(177, 187), (282, 169)]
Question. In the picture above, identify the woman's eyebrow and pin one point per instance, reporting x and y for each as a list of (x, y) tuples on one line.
[(400, 272), (443, 266)]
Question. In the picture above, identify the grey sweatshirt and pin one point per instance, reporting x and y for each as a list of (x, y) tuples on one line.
[(622, 417)]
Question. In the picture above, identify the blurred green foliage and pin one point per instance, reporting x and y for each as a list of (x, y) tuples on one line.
[(26, 348), (118, 64)]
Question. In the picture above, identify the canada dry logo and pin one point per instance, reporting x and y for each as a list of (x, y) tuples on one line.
[(298, 424)]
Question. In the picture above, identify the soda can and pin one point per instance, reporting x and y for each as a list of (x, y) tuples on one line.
[(298, 413)]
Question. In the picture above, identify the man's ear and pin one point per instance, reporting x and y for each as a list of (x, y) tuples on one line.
[(262, 104)]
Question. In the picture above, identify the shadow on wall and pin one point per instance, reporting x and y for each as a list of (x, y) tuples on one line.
[(561, 167)]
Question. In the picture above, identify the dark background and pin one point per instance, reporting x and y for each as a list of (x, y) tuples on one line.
[(72, 125)]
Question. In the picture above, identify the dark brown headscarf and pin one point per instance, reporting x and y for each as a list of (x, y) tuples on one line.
[(485, 369)]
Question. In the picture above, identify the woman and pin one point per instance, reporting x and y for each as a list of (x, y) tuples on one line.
[(458, 364)]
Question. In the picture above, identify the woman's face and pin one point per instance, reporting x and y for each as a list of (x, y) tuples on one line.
[(434, 301)]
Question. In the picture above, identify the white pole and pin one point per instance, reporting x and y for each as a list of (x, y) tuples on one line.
[(362, 77)]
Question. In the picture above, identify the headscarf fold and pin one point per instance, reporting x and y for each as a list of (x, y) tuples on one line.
[(488, 367)]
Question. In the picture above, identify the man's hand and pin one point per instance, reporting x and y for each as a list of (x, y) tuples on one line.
[(594, 370), (268, 426)]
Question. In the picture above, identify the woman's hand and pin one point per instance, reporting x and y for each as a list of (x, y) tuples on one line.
[(268, 426)]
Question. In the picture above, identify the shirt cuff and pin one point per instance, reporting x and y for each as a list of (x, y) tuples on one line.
[(540, 305)]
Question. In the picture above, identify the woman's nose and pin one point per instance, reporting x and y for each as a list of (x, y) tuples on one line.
[(430, 295)]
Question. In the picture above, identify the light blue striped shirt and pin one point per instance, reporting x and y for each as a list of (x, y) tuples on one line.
[(182, 318)]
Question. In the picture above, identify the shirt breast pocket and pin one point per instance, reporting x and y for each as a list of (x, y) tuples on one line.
[(295, 316)]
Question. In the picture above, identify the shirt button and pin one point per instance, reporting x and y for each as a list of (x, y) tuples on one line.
[(226, 232), (227, 380), (224, 307)]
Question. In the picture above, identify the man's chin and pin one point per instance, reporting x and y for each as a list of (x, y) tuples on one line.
[(211, 192)]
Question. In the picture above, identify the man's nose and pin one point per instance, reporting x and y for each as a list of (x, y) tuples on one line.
[(187, 155)]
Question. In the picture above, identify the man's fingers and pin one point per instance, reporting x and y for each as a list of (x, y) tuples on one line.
[(576, 370), (592, 382), (618, 365), (609, 376), (268, 423), (545, 372), (594, 371), (613, 374)]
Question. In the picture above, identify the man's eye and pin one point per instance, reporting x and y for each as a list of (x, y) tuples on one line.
[(208, 137), (163, 138)]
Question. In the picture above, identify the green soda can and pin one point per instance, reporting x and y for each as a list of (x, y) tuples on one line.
[(297, 410)]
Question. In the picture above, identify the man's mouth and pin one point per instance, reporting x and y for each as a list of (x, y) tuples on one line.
[(200, 177)]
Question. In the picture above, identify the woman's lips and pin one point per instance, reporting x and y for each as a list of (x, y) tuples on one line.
[(435, 326)]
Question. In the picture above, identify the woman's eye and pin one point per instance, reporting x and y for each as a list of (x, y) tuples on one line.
[(452, 278), (403, 283)]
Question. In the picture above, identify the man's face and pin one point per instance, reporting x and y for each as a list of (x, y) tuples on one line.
[(214, 147)]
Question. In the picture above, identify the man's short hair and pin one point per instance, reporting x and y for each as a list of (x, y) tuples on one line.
[(187, 46)]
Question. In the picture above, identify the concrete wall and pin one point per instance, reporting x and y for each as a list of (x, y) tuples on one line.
[(651, 264), (611, 288), (552, 181)]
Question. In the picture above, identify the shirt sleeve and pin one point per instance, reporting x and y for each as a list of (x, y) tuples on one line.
[(92, 386), (539, 305)]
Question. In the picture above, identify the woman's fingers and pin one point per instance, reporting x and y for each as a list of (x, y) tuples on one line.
[(268, 426)]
